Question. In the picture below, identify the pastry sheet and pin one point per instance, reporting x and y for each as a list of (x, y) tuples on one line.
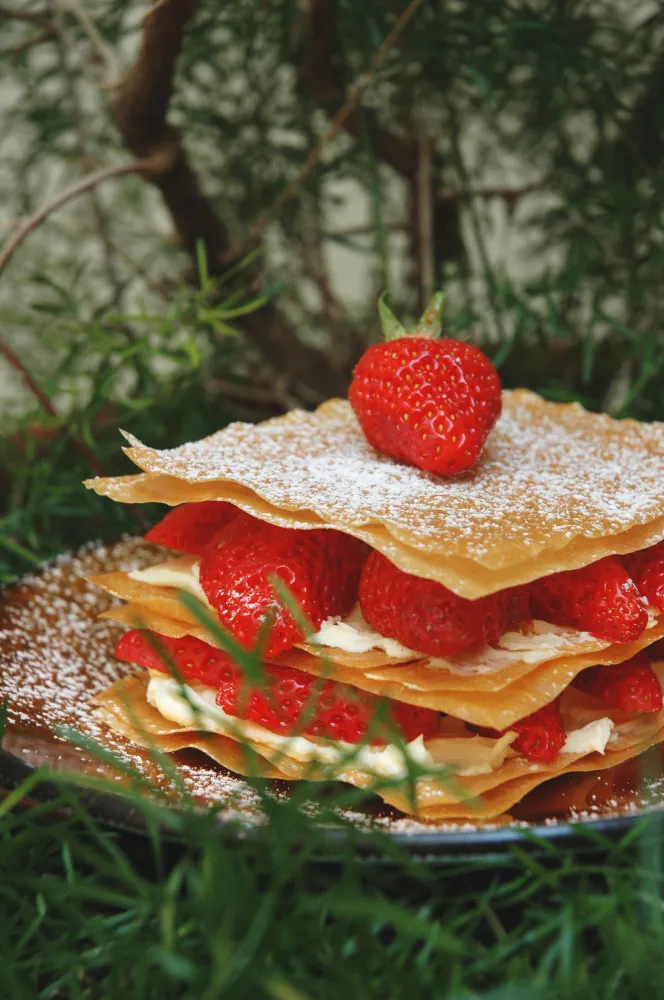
[(556, 488), (483, 796), (420, 682)]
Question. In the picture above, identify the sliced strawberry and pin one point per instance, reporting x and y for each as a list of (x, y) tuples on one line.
[(600, 598), (518, 605), (337, 711), (191, 526), (321, 568), (632, 686), (425, 615), (646, 569), (193, 658), (541, 736)]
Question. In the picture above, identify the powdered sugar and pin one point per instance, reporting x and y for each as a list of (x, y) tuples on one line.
[(549, 473), (54, 653)]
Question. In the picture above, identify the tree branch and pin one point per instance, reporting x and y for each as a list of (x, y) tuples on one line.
[(100, 220), (18, 365), (81, 187), (86, 454), (339, 121), (424, 223), (641, 141), (320, 79), (105, 54), (509, 194), (140, 106), (28, 18), (47, 405)]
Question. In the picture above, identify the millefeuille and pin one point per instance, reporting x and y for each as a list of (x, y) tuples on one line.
[(557, 489)]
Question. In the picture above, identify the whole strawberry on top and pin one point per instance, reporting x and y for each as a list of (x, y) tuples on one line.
[(427, 401)]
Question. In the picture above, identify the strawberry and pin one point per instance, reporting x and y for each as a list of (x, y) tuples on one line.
[(633, 685), (335, 711), (320, 567), (599, 598), (425, 401), (194, 660), (646, 569), (425, 615), (541, 735), (518, 605), (191, 526)]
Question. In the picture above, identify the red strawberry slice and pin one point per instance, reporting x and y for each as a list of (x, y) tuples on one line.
[(541, 736), (600, 599), (632, 686), (428, 402), (425, 615), (191, 526), (337, 711), (518, 605), (646, 569), (320, 567), (194, 660)]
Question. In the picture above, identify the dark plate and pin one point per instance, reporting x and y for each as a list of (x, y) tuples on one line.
[(55, 655)]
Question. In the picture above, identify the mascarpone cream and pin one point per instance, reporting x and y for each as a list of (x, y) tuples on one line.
[(195, 707), (592, 737), (184, 574)]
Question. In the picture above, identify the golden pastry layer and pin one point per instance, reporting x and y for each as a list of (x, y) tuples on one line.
[(413, 683), (124, 707), (556, 488)]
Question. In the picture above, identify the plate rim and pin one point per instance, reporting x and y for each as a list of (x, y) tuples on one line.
[(438, 845)]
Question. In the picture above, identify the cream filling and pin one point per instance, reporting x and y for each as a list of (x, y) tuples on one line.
[(591, 738), (183, 573), (352, 634), (469, 755), (195, 707), (543, 641)]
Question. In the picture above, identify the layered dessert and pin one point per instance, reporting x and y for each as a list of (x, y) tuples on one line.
[(451, 618)]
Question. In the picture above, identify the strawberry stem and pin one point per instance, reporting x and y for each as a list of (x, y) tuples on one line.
[(392, 327), (430, 323), (431, 320)]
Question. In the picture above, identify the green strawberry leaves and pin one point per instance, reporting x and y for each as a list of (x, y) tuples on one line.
[(430, 323)]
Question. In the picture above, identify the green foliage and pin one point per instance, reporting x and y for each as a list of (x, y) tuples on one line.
[(156, 375), (190, 911)]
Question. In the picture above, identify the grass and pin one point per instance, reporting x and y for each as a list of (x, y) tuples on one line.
[(189, 911)]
